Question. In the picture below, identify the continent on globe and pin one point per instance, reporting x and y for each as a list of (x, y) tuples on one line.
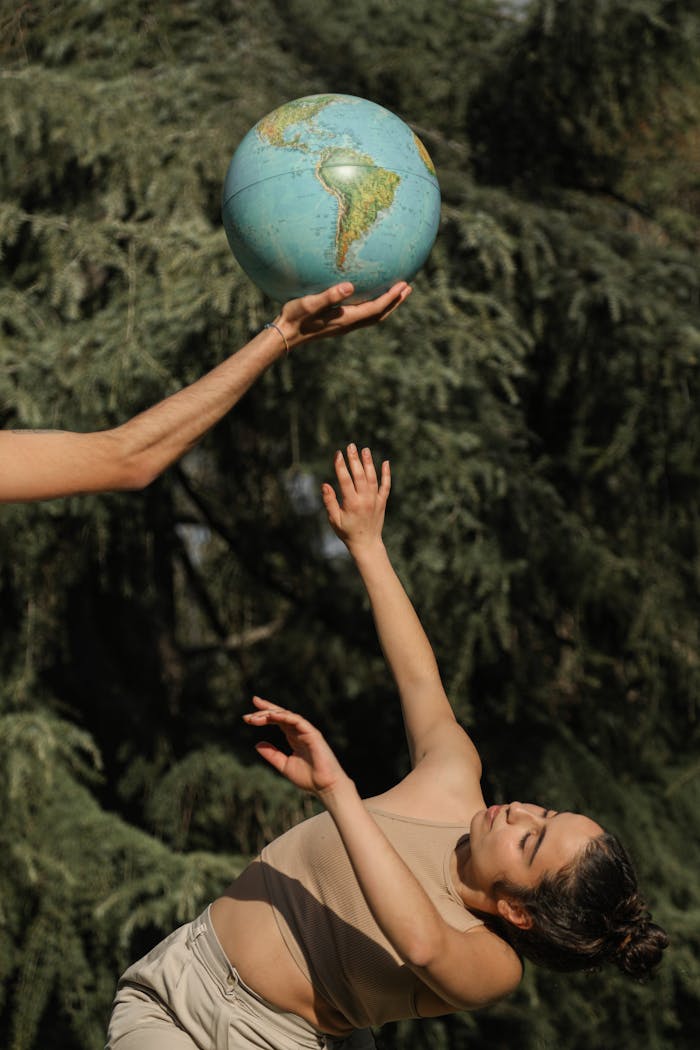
[(362, 190), (329, 188), (275, 124), (424, 155)]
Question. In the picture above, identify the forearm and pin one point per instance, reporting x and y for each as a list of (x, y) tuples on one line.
[(48, 464), (401, 634), (154, 439), (398, 902), (404, 643)]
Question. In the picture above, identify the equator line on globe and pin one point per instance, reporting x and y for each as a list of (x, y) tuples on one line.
[(330, 188)]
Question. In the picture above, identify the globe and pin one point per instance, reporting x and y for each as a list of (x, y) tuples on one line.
[(330, 188)]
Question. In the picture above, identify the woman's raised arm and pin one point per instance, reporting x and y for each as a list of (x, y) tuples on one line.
[(358, 519)]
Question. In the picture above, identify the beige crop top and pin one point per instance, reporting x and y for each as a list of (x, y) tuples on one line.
[(327, 925)]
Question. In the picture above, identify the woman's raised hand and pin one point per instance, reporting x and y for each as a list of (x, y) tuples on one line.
[(359, 518), (327, 313), (312, 765)]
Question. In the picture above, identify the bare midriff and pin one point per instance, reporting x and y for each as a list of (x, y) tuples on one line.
[(245, 923)]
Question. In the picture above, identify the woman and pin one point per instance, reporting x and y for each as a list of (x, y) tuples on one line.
[(46, 464), (415, 903)]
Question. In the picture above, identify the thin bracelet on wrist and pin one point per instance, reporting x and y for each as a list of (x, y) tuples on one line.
[(278, 329)]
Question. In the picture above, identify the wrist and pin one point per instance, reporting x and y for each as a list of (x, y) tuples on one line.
[(341, 791), (290, 331), (277, 329), (366, 549)]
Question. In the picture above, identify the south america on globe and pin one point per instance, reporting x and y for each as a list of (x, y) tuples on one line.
[(330, 188)]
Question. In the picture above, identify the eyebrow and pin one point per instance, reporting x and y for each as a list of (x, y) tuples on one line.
[(540, 840)]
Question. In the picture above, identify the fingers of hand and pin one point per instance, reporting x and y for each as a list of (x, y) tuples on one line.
[(357, 467), (368, 464), (384, 302), (340, 291), (400, 298), (345, 480), (266, 709), (271, 754), (272, 714), (359, 487), (316, 304), (328, 314), (330, 502), (385, 487), (380, 308), (259, 701), (329, 310)]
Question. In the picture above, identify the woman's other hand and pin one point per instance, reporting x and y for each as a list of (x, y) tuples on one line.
[(312, 765)]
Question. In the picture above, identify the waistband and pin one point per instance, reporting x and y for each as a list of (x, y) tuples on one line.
[(203, 940)]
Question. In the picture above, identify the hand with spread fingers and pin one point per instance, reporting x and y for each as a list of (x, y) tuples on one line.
[(312, 765), (359, 518)]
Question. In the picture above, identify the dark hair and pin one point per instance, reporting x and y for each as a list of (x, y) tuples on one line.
[(587, 914)]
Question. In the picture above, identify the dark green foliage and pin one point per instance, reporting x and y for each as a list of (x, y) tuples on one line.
[(537, 398), (417, 57), (576, 85)]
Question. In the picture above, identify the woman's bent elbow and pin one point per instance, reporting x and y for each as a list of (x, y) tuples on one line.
[(421, 952)]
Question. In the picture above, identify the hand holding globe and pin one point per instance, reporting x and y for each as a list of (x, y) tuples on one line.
[(332, 312)]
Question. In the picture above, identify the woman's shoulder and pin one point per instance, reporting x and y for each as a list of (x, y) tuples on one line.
[(443, 796)]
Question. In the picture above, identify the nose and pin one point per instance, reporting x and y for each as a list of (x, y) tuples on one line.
[(520, 812)]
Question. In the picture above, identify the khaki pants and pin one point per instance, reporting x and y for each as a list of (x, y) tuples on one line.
[(185, 994)]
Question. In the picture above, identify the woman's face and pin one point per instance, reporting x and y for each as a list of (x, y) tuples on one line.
[(520, 841)]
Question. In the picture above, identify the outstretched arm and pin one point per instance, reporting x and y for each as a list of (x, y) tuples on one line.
[(464, 970), (358, 519), (43, 465)]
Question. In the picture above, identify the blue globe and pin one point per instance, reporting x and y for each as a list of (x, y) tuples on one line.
[(330, 188)]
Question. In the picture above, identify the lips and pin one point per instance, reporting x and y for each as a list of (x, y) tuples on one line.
[(491, 814)]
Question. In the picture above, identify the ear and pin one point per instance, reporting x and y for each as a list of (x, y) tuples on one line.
[(514, 912)]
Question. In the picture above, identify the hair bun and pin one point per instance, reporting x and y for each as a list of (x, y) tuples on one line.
[(640, 948)]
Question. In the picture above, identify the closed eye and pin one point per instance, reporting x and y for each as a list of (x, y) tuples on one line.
[(526, 836), (541, 835)]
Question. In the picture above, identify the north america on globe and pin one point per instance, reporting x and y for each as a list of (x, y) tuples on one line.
[(272, 128)]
